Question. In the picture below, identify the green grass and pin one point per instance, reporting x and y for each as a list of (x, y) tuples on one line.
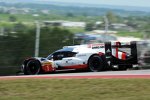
[(31, 18), (76, 30), (75, 89), (134, 34)]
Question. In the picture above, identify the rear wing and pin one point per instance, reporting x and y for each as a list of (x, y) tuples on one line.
[(113, 48)]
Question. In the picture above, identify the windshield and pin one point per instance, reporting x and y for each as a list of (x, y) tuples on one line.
[(50, 56), (61, 55)]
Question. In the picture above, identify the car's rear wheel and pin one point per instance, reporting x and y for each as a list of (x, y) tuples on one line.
[(32, 67), (95, 63)]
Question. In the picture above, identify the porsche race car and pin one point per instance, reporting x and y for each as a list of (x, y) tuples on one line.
[(94, 57)]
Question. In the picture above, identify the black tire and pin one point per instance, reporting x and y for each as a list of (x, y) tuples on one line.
[(95, 63), (33, 67)]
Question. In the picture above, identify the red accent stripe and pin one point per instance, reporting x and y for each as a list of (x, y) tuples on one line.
[(123, 56), (117, 44), (76, 66)]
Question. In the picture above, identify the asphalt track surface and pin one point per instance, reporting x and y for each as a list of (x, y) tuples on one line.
[(87, 75)]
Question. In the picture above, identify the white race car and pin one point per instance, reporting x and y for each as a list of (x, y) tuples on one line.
[(94, 57)]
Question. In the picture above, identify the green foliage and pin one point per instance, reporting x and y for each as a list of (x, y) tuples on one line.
[(147, 31), (12, 18), (70, 15), (111, 17), (53, 39), (16, 47), (19, 27), (89, 26)]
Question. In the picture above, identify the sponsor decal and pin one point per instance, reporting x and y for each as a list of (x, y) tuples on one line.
[(47, 66), (96, 46), (108, 50), (46, 63)]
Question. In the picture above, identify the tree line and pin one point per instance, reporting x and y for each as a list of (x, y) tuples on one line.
[(14, 48)]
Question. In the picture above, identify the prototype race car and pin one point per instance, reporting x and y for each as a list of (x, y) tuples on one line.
[(94, 57)]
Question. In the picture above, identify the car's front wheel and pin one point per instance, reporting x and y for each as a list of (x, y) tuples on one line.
[(32, 67), (96, 63)]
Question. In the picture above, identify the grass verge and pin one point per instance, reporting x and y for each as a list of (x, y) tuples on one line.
[(75, 89), (133, 34)]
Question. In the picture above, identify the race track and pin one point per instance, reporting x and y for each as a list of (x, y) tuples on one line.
[(81, 75)]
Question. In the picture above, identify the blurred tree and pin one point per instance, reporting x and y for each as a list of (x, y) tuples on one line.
[(19, 27), (14, 49), (146, 30), (111, 17), (89, 26), (53, 39), (69, 14), (12, 18), (132, 24)]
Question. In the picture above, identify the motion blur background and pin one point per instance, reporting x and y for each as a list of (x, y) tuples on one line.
[(60, 23)]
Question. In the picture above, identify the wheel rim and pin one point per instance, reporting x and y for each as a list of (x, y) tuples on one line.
[(95, 64), (33, 67)]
